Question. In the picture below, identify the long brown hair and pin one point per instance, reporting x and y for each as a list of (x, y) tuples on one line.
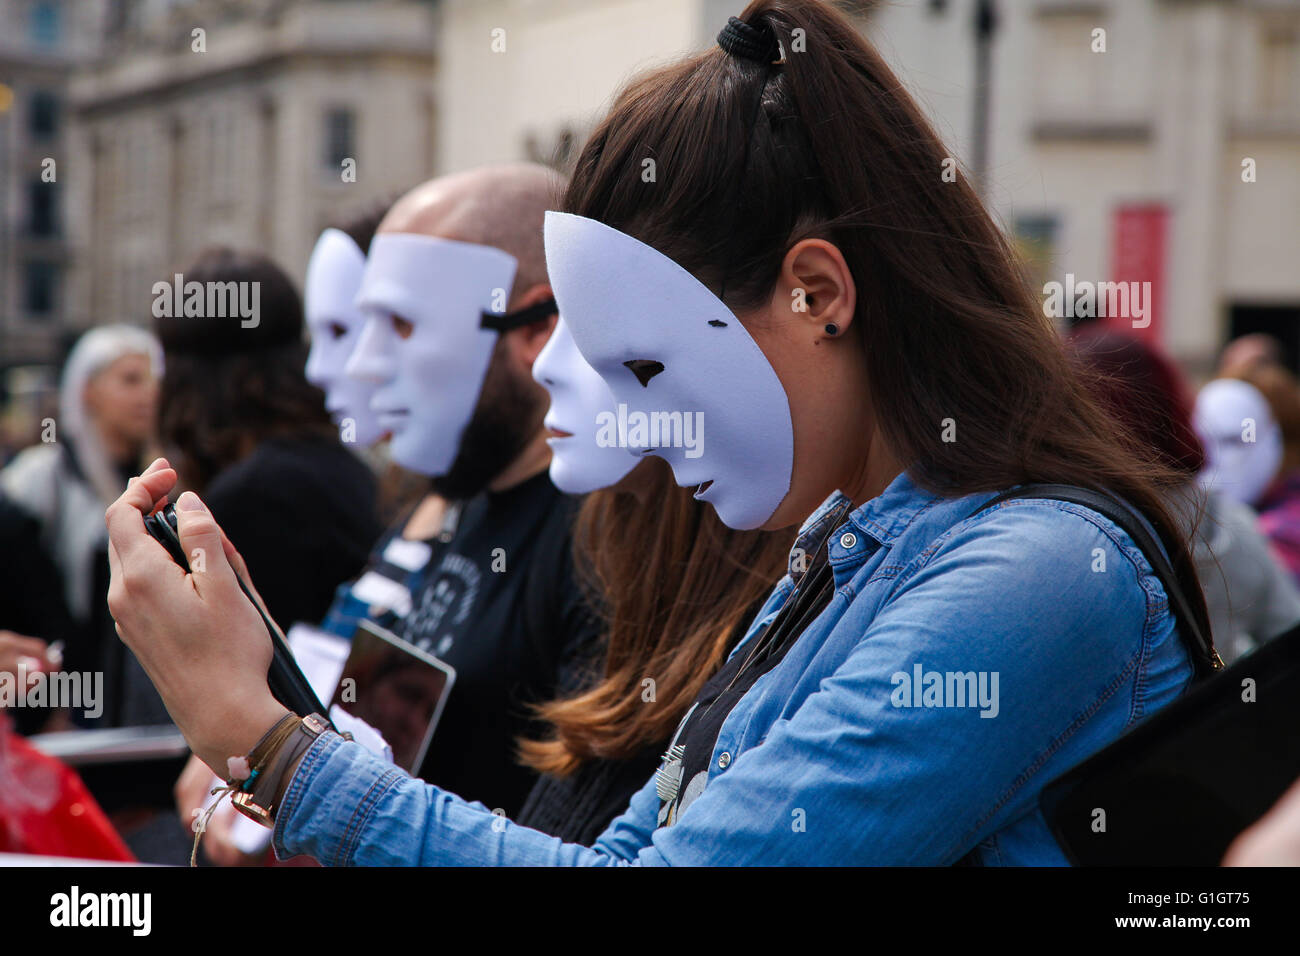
[(676, 585), (751, 158)]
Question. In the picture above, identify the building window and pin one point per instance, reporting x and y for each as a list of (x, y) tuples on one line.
[(340, 137), (1279, 67), (42, 205), (43, 114), (40, 280), (1070, 80), (44, 23)]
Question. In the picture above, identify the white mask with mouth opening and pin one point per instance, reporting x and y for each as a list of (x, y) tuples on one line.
[(427, 385), (676, 360), (329, 294), (580, 402)]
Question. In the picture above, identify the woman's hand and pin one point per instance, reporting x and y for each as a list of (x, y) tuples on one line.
[(199, 639), (28, 654)]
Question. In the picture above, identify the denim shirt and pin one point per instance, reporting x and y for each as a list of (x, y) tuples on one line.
[(961, 665)]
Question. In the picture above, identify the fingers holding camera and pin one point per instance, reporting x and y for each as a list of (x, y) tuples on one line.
[(197, 637), (205, 544)]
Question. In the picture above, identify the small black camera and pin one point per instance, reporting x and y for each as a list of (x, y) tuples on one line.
[(162, 525)]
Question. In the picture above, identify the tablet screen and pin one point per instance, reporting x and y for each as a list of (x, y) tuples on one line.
[(395, 688)]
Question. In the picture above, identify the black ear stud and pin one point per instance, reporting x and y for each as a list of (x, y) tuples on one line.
[(832, 328)]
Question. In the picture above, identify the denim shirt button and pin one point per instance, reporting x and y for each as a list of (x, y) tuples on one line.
[(724, 758), (847, 540)]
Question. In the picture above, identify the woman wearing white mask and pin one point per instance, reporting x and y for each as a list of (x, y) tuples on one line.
[(637, 538), (809, 325)]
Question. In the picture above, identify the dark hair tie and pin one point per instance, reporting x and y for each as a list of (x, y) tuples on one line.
[(749, 42)]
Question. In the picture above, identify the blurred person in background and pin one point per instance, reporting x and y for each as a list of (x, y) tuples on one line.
[(252, 435), (1249, 595), (1246, 351), (1279, 503), (31, 602), (334, 323), (108, 399), (1242, 440)]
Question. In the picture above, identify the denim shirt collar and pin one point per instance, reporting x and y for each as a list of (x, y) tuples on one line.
[(883, 519)]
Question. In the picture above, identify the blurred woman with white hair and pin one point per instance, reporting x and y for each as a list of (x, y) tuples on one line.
[(108, 398)]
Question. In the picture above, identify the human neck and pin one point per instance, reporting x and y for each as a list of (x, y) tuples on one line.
[(873, 473), (119, 449), (535, 458)]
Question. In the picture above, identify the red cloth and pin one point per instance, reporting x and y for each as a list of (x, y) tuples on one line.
[(46, 810)]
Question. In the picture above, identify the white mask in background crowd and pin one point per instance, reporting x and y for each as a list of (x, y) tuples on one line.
[(329, 292), (580, 403), (676, 360), (428, 384), (1243, 443)]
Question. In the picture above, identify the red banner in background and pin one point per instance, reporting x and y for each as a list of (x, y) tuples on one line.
[(1138, 256)]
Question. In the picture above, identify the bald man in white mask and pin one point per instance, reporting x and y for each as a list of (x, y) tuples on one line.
[(456, 307)]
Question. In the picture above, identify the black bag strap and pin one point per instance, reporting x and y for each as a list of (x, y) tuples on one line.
[(1195, 631)]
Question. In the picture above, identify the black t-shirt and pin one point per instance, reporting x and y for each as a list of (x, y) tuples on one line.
[(301, 512), (501, 604), (579, 807)]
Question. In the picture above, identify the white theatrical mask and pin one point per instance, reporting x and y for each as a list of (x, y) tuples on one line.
[(329, 293), (428, 384), (676, 360), (580, 401), (1243, 443)]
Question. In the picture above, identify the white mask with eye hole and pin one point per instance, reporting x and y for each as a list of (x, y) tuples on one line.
[(580, 402), (676, 360), (427, 384), (334, 321)]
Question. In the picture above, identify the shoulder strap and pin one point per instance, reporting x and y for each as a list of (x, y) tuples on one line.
[(1194, 630)]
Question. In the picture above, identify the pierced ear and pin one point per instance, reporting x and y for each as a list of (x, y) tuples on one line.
[(815, 274), (644, 369)]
